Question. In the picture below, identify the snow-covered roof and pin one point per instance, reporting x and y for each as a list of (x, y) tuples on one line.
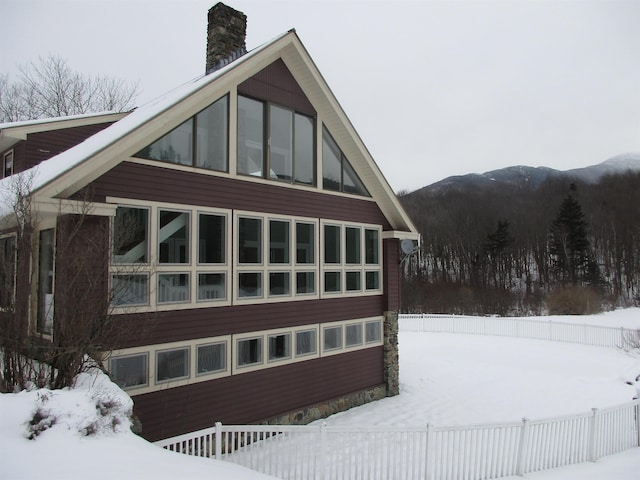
[(102, 151)]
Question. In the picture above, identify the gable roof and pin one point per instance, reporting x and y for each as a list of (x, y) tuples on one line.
[(66, 173)]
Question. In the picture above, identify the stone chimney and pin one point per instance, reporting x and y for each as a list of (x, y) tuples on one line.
[(226, 34)]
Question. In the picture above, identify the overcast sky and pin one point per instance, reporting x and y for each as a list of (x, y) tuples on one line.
[(434, 88)]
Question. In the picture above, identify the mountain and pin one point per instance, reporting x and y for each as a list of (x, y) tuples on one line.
[(532, 177)]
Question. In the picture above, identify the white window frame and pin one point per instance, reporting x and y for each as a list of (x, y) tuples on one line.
[(193, 268), (344, 347), (265, 267), (343, 268)]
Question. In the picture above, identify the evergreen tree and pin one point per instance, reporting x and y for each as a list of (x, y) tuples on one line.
[(568, 243)]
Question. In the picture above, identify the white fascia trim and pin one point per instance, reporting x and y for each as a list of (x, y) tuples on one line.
[(400, 235), (64, 206)]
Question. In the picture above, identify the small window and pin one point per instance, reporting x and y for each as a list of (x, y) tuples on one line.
[(249, 351), (352, 245), (212, 239), (46, 280), (212, 358), (249, 240), (212, 136), (279, 245), (332, 282), (305, 283), (175, 147), (173, 237), (173, 287), (211, 286), (332, 244), (305, 243), (337, 172), (249, 284), (8, 164), (131, 235), (279, 346), (130, 289), (353, 335), (172, 364), (279, 283), (305, 343), (332, 338), (372, 246), (353, 281), (372, 280), (130, 371), (373, 331)]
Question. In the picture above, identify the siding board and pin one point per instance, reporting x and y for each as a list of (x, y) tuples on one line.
[(154, 183), (255, 397)]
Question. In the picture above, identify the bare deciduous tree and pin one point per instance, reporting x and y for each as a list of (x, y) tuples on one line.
[(50, 88)]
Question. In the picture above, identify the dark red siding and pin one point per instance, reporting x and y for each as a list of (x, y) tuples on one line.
[(44, 145), (276, 84), (155, 183), (257, 396), (391, 255), (179, 325)]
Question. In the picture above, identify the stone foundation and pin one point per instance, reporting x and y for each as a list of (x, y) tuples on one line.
[(323, 410)]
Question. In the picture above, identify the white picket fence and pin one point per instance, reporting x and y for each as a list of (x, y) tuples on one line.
[(583, 334), (433, 453), (476, 452)]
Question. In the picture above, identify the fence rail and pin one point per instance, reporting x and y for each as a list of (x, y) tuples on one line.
[(583, 334), (475, 452)]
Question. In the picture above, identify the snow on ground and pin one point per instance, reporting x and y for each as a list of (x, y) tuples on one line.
[(446, 379)]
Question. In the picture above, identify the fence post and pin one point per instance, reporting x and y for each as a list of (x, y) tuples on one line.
[(218, 453), (321, 467), (637, 414), (429, 452), (593, 435), (523, 446)]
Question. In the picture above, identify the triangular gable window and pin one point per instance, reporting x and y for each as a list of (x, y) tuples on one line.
[(208, 148), (337, 172)]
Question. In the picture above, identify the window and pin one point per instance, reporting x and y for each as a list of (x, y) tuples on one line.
[(279, 240), (332, 338), (173, 277), (129, 289), (131, 235), (46, 253), (7, 164), (353, 335), (337, 172), (373, 331), (249, 240), (211, 358), (7, 271), (201, 141), (306, 342), (211, 239), (173, 237), (130, 371), (172, 364), (351, 262), (279, 346), (173, 287), (275, 142), (249, 352)]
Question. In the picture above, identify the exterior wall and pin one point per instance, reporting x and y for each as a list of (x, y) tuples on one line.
[(44, 145), (257, 396), (391, 254)]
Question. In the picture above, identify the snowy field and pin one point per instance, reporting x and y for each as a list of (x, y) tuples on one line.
[(446, 379)]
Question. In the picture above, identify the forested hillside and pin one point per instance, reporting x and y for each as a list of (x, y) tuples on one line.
[(561, 245)]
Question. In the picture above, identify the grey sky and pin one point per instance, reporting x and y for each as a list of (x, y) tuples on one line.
[(434, 88)]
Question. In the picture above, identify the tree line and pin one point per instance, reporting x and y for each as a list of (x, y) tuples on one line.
[(563, 247)]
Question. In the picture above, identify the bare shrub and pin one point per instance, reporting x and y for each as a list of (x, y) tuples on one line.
[(574, 301)]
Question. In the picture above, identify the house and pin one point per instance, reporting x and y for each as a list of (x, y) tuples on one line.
[(240, 233)]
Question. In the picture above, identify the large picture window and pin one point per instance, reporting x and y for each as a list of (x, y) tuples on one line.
[(275, 142), (201, 141), (346, 269), (174, 276)]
